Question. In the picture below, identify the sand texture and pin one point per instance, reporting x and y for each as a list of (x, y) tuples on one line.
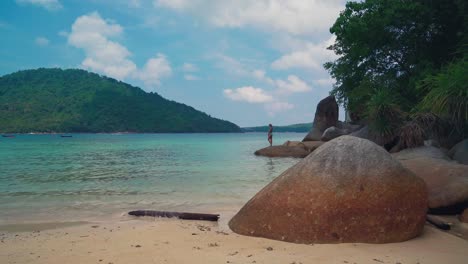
[(177, 241)]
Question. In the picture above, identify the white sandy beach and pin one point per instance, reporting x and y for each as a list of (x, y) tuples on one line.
[(177, 241)]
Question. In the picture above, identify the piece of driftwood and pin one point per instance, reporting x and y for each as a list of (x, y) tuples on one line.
[(180, 215), (437, 222)]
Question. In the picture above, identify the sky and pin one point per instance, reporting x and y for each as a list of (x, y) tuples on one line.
[(249, 62)]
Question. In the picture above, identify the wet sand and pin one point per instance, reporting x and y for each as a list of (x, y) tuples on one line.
[(177, 241)]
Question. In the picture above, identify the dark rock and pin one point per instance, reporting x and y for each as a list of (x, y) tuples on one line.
[(332, 133), (348, 190), (460, 152), (283, 151), (365, 133), (326, 116)]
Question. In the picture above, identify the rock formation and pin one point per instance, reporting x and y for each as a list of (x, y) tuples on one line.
[(283, 151), (332, 133), (347, 190), (460, 152), (326, 116)]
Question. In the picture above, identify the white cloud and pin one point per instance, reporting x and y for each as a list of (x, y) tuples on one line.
[(275, 107), (293, 84), (312, 56), (154, 70), (42, 41), (325, 81), (298, 17), (188, 67), (51, 5), (248, 94), (93, 34), (191, 77), (261, 75)]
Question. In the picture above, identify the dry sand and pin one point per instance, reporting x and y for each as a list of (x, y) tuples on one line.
[(196, 242)]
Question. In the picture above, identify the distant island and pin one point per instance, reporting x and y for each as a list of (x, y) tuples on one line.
[(72, 100), (304, 127)]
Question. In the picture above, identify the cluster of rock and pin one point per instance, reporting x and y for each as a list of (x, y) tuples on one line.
[(350, 189)]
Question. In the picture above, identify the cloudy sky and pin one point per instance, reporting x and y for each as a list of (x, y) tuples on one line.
[(249, 62)]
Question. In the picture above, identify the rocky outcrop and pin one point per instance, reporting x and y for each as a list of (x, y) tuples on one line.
[(332, 133), (421, 152), (310, 145), (365, 133), (283, 151), (347, 190), (460, 152), (326, 116), (447, 182)]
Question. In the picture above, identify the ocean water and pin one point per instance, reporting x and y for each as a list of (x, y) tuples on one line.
[(97, 176)]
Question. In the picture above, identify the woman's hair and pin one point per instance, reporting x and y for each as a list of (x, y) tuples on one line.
[(269, 125)]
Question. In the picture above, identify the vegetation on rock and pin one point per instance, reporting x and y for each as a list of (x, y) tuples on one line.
[(402, 59)]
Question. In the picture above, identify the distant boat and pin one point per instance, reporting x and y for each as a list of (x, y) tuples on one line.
[(8, 136), (66, 136)]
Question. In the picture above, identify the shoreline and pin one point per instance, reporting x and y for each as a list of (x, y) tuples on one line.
[(160, 240)]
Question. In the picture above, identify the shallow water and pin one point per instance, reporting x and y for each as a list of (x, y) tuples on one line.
[(95, 176)]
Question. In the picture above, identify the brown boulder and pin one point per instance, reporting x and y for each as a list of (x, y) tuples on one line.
[(447, 182), (310, 145), (326, 115), (464, 216), (348, 190), (283, 151)]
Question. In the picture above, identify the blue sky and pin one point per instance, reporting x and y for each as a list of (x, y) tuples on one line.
[(249, 62)]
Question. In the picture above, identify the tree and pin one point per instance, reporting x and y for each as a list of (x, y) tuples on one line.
[(386, 48)]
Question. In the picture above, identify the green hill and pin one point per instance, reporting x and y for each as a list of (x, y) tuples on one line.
[(305, 127), (56, 100)]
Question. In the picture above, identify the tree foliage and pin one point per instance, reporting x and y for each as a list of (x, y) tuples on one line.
[(412, 51), (55, 100)]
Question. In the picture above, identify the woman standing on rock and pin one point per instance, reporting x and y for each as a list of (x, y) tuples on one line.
[(270, 135)]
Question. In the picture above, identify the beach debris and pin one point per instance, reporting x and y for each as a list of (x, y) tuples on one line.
[(203, 228), (378, 260), (179, 215), (437, 222), (269, 248), (348, 190), (233, 254), (213, 244)]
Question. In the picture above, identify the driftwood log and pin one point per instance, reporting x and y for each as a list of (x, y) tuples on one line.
[(437, 222), (180, 215)]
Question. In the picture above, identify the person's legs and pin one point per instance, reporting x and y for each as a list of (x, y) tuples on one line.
[(270, 139)]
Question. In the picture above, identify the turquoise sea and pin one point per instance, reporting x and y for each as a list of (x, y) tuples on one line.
[(98, 176)]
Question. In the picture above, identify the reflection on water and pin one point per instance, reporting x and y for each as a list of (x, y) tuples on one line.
[(97, 174)]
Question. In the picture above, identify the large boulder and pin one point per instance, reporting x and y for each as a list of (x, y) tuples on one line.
[(332, 133), (326, 116), (460, 152), (447, 182), (365, 133), (421, 152), (347, 190), (283, 151)]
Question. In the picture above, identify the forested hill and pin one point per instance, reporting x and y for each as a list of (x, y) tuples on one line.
[(305, 127), (56, 100)]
